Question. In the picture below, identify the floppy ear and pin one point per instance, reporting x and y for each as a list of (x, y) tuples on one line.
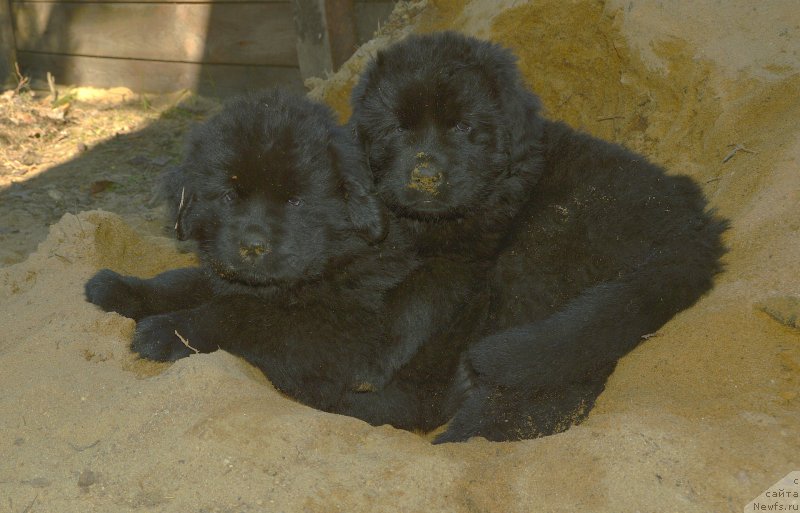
[(521, 109), (179, 200), (522, 121), (366, 211)]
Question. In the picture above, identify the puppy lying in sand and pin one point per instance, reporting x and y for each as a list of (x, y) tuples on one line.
[(585, 246), (296, 265)]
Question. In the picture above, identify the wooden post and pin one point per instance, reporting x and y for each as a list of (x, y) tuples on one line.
[(326, 35), (8, 50)]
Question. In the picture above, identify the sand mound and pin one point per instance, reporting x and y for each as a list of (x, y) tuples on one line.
[(702, 417)]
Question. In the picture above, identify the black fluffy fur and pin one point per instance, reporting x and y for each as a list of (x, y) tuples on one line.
[(575, 247), (296, 266)]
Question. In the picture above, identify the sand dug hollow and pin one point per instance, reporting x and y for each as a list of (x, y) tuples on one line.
[(701, 417)]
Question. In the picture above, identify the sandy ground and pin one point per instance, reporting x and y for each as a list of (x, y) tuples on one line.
[(86, 149), (702, 417)]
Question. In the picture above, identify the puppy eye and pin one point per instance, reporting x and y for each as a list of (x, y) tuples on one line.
[(463, 126), (295, 202), (400, 128), (229, 197)]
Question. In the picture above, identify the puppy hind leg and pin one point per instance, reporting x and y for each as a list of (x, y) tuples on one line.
[(593, 331), (471, 419), (503, 414)]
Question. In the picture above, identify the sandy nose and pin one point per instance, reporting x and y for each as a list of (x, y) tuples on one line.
[(425, 177), (253, 245)]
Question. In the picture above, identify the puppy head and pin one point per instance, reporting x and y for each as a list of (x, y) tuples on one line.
[(273, 192), (444, 119)]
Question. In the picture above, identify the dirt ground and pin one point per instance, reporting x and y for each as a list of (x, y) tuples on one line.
[(88, 149), (702, 417)]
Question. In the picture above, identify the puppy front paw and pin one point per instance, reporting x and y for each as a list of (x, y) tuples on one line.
[(113, 292), (159, 338)]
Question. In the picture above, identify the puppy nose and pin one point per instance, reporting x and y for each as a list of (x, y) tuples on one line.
[(253, 245), (426, 176), (425, 168)]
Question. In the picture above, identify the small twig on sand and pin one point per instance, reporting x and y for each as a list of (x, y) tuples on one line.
[(62, 257), (609, 118), (80, 224), (83, 448), (22, 81), (736, 149), (185, 342), (26, 510), (51, 82)]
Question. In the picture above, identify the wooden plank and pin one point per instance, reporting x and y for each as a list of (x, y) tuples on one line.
[(7, 46), (255, 33), (163, 1), (157, 76), (313, 48), (340, 19), (325, 34), (357, 2)]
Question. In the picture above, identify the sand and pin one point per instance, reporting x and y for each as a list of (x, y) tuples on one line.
[(701, 417)]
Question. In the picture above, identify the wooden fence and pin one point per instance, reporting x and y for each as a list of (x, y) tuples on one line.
[(156, 46)]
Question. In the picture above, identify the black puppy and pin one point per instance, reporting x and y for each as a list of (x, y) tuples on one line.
[(590, 246), (295, 270)]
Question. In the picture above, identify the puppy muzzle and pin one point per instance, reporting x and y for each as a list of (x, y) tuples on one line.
[(426, 177)]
